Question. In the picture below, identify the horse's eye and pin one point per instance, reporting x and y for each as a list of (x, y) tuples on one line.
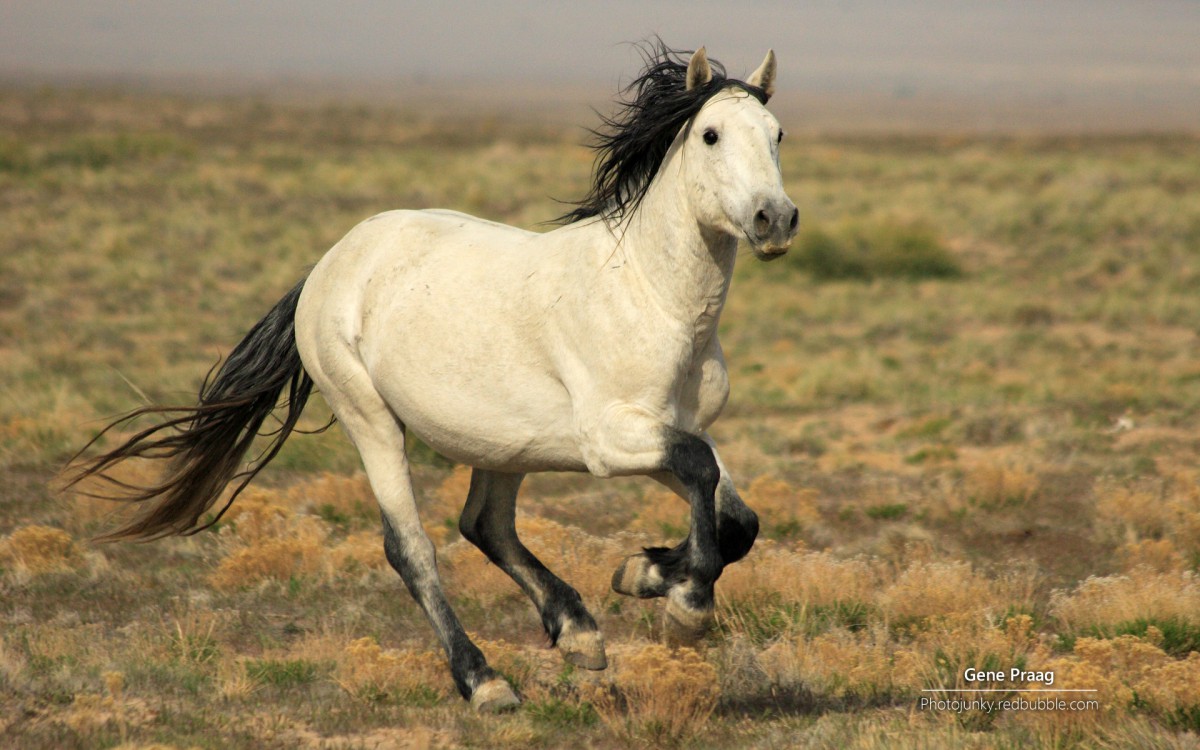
[(779, 138), (710, 136)]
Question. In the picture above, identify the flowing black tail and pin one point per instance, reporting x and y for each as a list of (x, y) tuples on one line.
[(207, 443)]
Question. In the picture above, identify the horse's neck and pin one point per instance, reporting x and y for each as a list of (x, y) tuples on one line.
[(685, 268)]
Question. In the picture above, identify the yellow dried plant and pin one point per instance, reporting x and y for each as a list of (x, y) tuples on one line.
[(269, 543), (783, 510), (334, 496), (809, 577), (938, 589), (38, 550), (992, 485), (1142, 593), (662, 516), (358, 553), (369, 673), (838, 663), (658, 695)]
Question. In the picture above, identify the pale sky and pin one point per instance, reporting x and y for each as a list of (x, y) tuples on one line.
[(1118, 55)]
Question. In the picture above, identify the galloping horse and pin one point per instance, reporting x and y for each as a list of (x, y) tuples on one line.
[(591, 347)]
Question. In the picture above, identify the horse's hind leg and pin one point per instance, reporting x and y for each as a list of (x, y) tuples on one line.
[(489, 522), (379, 438)]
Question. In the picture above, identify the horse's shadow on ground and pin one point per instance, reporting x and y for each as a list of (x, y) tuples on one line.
[(795, 700)]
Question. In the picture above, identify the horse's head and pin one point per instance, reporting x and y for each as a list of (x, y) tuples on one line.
[(722, 143), (729, 161)]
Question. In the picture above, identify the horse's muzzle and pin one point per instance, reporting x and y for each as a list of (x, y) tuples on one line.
[(774, 226)]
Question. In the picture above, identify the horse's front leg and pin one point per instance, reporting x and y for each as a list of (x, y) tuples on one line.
[(737, 523), (684, 574), (642, 575)]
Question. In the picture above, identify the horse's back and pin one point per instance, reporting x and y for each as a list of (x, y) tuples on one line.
[(467, 221), (449, 229)]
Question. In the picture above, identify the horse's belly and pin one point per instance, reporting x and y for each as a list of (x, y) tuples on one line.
[(522, 423)]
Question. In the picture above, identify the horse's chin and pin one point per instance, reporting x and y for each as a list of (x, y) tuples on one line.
[(767, 253)]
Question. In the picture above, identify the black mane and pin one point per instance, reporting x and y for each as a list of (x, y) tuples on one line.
[(633, 142)]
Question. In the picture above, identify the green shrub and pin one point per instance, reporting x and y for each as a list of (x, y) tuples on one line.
[(1179, 637), (887, 249), (14, 156), (282, 672), (887, 512), (97, 151)]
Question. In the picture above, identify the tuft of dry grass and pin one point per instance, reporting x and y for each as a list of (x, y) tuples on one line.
[(815, 578), (1143, 593), (938, 589), (662, 516), (371, 674), (38, 550), (336, 499), (361, 552), (1159, 555), (994, 485), (233, 681), (841, 664), (1128, 674), (784, 511), (658, 696), (269, 543), (1157, 522)]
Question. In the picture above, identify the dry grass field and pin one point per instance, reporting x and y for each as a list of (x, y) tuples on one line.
[(965, 406)]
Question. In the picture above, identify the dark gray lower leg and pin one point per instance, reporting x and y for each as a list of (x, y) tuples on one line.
[(489, 522), (645, 575), (415, 565), (693, 566), (737, 528), (722, 531), (737, 524)]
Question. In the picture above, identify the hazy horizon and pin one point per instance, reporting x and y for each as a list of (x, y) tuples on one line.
[(1090, 64)]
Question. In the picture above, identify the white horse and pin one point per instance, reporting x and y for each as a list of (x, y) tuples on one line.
[(591, 347)]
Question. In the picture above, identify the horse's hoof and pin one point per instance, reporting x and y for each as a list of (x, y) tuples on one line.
[(684, 626), (638, 577), (582, 648), (494, 696)]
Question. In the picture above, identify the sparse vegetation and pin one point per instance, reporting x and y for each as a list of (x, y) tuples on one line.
[(880, 250), (964, 407)]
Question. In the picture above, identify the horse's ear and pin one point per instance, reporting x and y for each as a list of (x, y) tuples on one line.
[(764, 77), (699, 72)]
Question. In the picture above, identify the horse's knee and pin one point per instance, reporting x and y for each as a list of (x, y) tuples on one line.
[(495, 540), (477, 523), (737, 528), (692, 461)]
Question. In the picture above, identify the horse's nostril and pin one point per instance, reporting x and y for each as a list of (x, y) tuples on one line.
[(762, 223), (795, 219)]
